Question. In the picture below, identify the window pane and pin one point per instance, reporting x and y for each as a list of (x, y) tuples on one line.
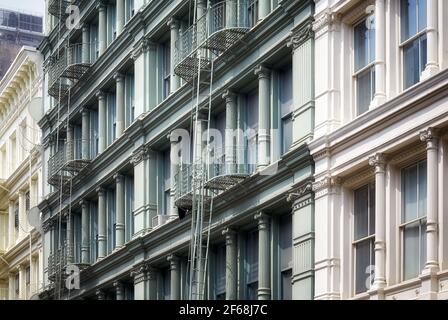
[(422, 246), (220, 271), (422, 189), (408, 18), (364, 43), (411, 263), (286, 133), (423, 55), (286, 91), (409, 193), (421, 14), (362, 265), (286, 285), (285, 242), (371, 209), (361, 213), (365, 90)]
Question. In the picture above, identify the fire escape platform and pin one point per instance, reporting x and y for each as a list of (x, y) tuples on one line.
[(224, 39), (225, 181), (75, 71)]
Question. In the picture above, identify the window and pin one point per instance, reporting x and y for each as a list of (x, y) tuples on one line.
[(364, 236), (129, 207), (364, 33), (166, 69), (111, 220), (413, 40), (16, 216), (130, 99), (253, 12), (413, 227), (111, 23), (93, 231), (27, 201), (252, 130), (285, 249), (166, 182), (17, 285), (252, 265), (77, 230), (129, 8), (94, 48), (220, 275), (286, 108), (166, 284), (94, 136), (111, 118)]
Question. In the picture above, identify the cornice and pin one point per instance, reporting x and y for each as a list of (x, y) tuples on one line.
[(301, 34)]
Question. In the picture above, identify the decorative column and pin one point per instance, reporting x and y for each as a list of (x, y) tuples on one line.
[(139, 275), (264, 116), (431, 139), (140, 179), (100, 295), (119, 290), (120, 226), (102, 131), (69, 238), (175, 277), (85, 133), (173, 170), (302, 201), (120, 16), (120, 104), (70, 143), (22, 214), (264, 8), (11, 284), (85, 235), (22, 290), (139, 53), (102, 235), (230, 134), (264, 256), (102, 27), (379, 163), (11, 225), (174, 33), (302, 45), (380, 53), (432, 66), (231, 264), (85, 58)]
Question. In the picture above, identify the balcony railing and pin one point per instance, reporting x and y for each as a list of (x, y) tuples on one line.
[(58, 8), (227, 168), (67, 160), (57, 261), (222, 27), (71, 63)]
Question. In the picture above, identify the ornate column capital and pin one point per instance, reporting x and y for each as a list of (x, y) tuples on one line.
[(118, 77), (326, 185), (431, 137), (100, 95), (325, 21), (173, 23), (83, 203), (118, 177), (139, 155), (100, 294), (140, 47), (174, 261), (230, 236), (139, 272), (300, 192), (378, 161), (84, 110), (300, 35), (151, 273), (262, 72), (101, 191), (263, 220), (101, 5), (229, 96), (85, 27)]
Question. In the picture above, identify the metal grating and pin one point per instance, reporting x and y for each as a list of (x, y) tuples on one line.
[(58, 8)]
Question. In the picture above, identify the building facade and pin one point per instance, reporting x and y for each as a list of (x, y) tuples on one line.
[(128, 89), (380, 149), (21, 267), (17, 29)]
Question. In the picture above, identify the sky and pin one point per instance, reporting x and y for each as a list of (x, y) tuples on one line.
[(29, 6)]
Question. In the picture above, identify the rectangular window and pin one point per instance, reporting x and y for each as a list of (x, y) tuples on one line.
[(111, 220), (130, 99), (252, 130), (285, 249), (111, 23), (286, 108), (94, 133), (220, 274), (364, 236), (413, 40), (252, 265), (17, 285), (27, 201), (129, 207), (129, 8), (93, 231), (16, 216), (77, 230), (166, 69), (111, 118), (94, 48), (364, 47), (166, 183), (166, 284), (413, 227)]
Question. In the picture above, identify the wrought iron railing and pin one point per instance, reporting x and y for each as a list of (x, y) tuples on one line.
[(229, 161), (58, 260), (183, 180)]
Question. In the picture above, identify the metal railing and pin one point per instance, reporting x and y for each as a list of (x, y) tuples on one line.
[(57, 260), (69, 157), (183, 180), (58, 8), (229, 161)]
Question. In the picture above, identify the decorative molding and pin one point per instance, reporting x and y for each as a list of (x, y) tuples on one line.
[(139, 155), (301, 35), (139, 272), (139, 48), (408, 153), (326, 185), (262, 72), (359, 177), (174, 261), (429, 136), (378, 161), (300, 192), (229, 96), (325, 21)]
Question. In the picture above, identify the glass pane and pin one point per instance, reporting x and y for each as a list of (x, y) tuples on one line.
[(285, 242), (408, 18), (422, 14), (411, 64), (286, 285), (286, 91), (409, 190), (423, 56), (411, 263), (252, 256), (422, 246), (371, 209), (422, 186), (365, 83), (362, 266), (286, 134), (361, 213)]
